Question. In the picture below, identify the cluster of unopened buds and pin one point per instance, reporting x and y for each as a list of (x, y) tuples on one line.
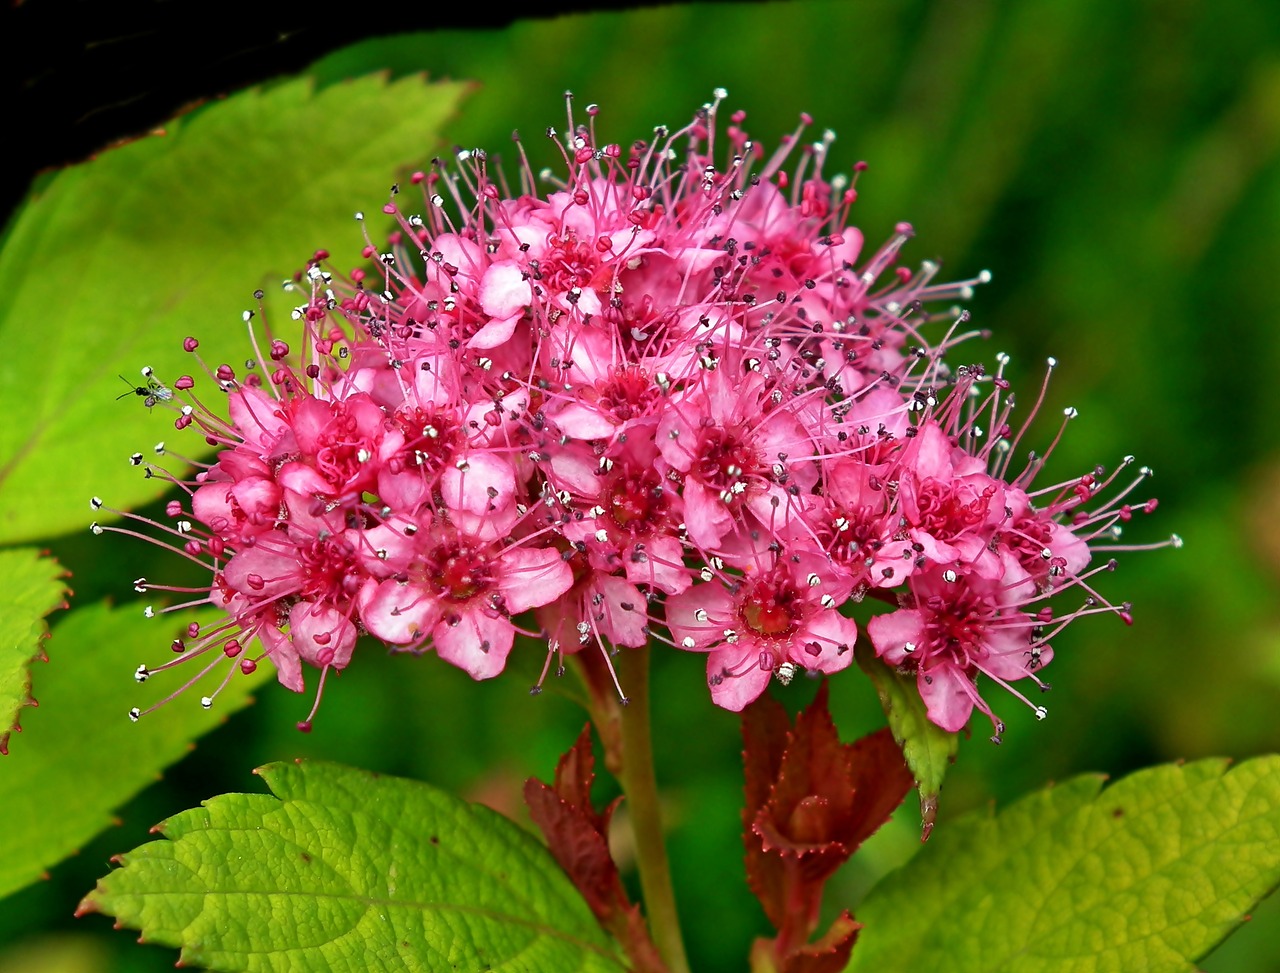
[(672, 402)]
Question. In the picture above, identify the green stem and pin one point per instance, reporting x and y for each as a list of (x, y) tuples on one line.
[(640, 785), (627, 737)]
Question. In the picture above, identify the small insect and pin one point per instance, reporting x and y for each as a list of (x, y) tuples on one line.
[(785, 672), (151, 391)]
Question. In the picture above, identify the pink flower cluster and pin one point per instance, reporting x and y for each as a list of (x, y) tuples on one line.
[(673, 400)]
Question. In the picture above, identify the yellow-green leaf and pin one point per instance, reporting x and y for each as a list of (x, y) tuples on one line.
[(927, 748), (344, 870), (80, 756), (31, 587), (1148, 874)]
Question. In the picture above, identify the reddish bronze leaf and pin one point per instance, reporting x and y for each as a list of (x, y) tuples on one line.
[(830, 954), (810, 802), (578, 837), (765, 727)]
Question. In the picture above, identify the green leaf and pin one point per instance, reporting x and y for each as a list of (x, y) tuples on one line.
[(31, 587), (80, 756), (346, 870), (112, 263), (927, 748), (1148, 874)]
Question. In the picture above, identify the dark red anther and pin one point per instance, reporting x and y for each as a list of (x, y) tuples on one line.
[(184, 382), (190, 344)]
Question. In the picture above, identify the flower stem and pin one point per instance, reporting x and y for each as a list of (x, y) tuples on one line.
[(627, 737), (639, 783)]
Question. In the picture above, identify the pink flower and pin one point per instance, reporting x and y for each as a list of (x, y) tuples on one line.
[(785, 615), (681, 363), (955, 630)]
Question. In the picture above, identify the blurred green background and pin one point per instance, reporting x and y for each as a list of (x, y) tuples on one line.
[(1117, 167)]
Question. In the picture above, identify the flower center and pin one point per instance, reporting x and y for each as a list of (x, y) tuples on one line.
[(629, 393), (771, 610), (724, 459), (945, 512), (635, 501), (460, 573), (430, 439)]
